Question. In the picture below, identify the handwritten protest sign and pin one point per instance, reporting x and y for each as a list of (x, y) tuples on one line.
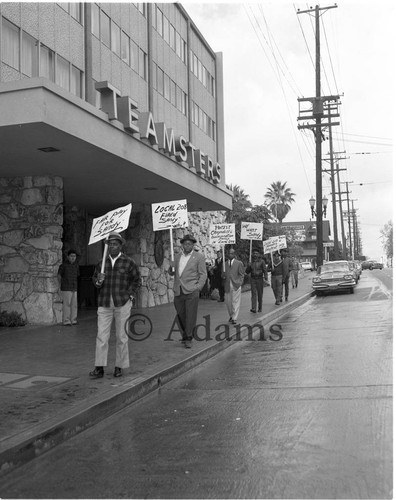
[(169, 214), (222, 234), (116, 220), (274, 244), (270, 245), (251, 231)]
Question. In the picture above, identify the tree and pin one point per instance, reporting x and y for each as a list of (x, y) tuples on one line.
[(243, 211), (387, 239), (279, 200)]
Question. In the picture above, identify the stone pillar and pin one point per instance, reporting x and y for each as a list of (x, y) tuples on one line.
[(31, 218)]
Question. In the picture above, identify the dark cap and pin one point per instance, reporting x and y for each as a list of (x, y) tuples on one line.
[(188, 237), (115, 236)]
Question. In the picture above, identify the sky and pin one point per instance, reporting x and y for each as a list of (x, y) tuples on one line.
[(269, 62)]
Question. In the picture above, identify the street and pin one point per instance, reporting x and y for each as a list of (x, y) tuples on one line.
[(306, 416)]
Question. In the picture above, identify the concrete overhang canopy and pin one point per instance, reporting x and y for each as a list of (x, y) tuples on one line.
[(102, 165)]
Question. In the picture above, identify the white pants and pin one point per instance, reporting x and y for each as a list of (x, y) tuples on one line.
[(233, 301), (69, 307), (105, 320)]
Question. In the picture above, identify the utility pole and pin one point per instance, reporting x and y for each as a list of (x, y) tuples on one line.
[(344, 250), (317, 116)]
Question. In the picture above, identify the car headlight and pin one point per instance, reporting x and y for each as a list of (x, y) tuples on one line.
[(316, 280), (348, 277)]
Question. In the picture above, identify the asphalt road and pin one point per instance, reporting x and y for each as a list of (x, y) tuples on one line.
[(305, 416)]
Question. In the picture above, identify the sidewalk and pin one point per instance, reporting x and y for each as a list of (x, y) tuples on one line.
[(47, 395)]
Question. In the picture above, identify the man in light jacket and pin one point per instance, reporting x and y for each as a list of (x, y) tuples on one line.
[(189, 270), (234, 275)]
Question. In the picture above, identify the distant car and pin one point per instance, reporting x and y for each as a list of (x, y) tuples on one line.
[(366, 264), (333, 276), (307, 266), (376, 265)]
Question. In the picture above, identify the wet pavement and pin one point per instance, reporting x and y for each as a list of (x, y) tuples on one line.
[(307, 415), (46, 393)]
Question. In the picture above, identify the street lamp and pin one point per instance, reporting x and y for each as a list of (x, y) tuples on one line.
[(312, 202)]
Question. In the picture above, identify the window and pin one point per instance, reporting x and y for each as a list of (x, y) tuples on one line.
[(183, 50), (160, 81), (178, 98), (125, 47), (178, 44), (195, 65), (95, 26), (115, 39), (134, 56), (47, 63), (166, 30), (142, 8), (10, 44), (199, 70), (75, 11), (167, 87), (172, 37), (29, 61), (204, 76), (105, 28), (155, 77), (142, 64), (76, 79), (62, 73), (173, 92), (159, 21)]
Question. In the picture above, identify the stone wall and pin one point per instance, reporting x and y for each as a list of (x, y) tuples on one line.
[(31, 218)]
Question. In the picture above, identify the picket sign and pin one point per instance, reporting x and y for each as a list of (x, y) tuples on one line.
[(251, 231), (222, 234), (115, 220), (170, 215)]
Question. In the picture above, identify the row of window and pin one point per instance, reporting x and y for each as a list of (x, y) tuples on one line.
[(30, 57), (118, 41), (168, 32), (165, 86), (202, 73), (203, 121)]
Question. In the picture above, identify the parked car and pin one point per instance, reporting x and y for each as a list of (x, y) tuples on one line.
[(307, 266), (333, 276), (366, 264), (376, 265)]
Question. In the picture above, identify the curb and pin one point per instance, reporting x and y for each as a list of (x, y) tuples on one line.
[(27, 445)]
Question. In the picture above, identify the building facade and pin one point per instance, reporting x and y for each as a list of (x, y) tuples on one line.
[(102, 105), (304, 234)]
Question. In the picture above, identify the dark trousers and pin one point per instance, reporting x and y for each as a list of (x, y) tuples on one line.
[(219, 284), (257, 286), (286, 283), (276, 285), (186, 305)]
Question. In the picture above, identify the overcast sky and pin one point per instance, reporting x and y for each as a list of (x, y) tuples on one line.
[(269, 54)]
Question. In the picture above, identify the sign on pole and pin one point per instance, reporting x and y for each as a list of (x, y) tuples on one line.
[(282, 243), (270, 245), (116, 220), (169, 215), (222, 234), (251, 231)]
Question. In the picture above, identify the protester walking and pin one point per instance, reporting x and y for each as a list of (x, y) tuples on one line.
[(68, 274), (288, 267), (295, 269), (278, 274), (218, 275), (118, 287), (258, 276), (189, 270), (233, 279)]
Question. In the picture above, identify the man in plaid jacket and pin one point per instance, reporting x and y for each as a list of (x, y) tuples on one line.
[(117, 286)]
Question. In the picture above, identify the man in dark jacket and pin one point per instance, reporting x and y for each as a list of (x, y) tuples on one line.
[(118, 286), (218, 275), (278, 274), (288, 267), (68, 274), (258, 273)]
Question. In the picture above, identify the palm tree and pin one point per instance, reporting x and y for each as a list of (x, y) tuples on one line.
[(239, 198), (279, 200)]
